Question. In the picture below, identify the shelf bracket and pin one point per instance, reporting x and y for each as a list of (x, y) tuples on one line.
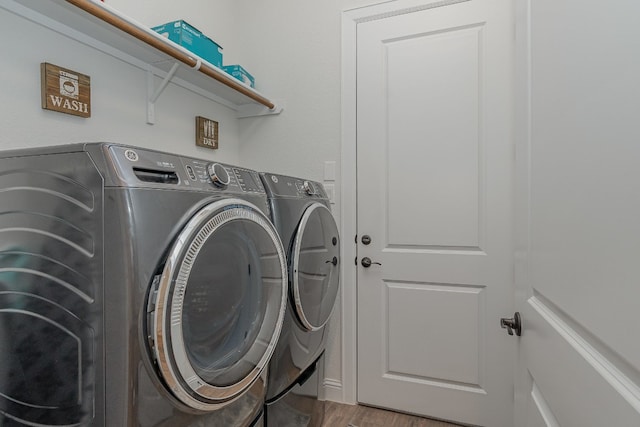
[(154, 93), (254, 110)]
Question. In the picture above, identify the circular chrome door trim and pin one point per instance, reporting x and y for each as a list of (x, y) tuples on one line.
[(296, 259), (169, 348)]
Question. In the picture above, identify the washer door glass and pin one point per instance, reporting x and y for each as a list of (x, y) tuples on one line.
[(315, 266), (219, 304)]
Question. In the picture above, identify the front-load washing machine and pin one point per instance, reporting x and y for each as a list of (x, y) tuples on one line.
[(302, 216), (137, 288)]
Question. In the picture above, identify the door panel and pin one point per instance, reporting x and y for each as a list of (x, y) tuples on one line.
[(434, 194), (455, 357), (422, 138), (580, 385), (539, 413), (577, 213)]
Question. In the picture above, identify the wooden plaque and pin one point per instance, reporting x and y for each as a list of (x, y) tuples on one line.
[(206, 133), (65, 91)]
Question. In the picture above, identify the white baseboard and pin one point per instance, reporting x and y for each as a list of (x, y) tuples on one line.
[(333, 390)]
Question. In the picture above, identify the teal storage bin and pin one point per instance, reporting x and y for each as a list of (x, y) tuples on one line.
[(186, 35), (241, 74)]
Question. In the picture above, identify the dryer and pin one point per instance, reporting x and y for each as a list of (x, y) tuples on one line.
[(137, 288), (302, 216)]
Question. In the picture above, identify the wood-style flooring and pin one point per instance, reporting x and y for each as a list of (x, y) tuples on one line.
[(340, 415)]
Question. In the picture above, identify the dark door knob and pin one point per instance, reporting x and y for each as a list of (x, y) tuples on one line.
[(333, 261), (366, 239), (512, 324), (366, 262)]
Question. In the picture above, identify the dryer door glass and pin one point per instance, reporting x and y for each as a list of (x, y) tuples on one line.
[(220, 304), (315, 266)]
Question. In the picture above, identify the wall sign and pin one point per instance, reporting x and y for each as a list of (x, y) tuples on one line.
[(206, 133), (65, 91)]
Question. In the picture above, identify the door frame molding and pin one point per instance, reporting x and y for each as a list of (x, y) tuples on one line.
[(522, 135), (348, 188)]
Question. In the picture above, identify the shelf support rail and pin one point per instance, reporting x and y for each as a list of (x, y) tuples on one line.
[(153, 94)]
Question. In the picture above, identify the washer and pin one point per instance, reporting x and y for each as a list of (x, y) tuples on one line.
[(137, 288), (302, 216)]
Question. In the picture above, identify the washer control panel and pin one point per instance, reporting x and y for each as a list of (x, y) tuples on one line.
[(142, 167), (248, 180), (287, 186)]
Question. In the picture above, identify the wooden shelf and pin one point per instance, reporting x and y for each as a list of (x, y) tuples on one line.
[(97, 25)]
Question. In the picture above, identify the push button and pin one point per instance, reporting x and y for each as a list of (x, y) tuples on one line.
[(191, 173)]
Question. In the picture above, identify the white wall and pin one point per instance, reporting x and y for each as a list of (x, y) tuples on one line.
[(118, 92), (215, 19)]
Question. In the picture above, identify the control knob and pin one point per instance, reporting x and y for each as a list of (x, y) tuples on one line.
[(218, 175), (308, 188)]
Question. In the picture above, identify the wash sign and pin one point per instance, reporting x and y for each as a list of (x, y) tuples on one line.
[(65, 91)]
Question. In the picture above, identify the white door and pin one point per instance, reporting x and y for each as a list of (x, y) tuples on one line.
[(435, 165), (578, 210)]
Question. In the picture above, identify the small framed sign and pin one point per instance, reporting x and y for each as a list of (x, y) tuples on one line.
[(206, 133), (65, 91)]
